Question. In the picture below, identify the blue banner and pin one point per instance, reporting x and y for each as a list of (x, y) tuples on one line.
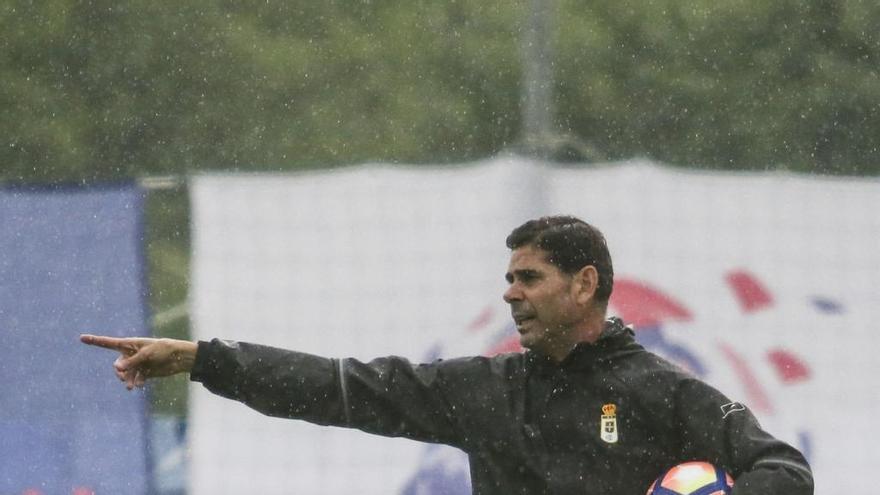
[(71, 262)]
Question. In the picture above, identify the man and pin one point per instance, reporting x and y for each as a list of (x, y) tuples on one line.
[(586, 410)]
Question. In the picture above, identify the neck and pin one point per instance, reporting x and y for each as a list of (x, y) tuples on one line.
[(587, 330), (591, 328)]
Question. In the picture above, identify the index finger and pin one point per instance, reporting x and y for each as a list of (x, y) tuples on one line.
[(115, 343)]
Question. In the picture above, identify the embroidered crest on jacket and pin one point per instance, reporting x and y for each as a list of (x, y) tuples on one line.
[(608, 424)]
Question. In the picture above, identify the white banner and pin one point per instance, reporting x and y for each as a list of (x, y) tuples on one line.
[(763, 284)]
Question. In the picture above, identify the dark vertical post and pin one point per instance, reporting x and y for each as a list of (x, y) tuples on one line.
[(538, 129)]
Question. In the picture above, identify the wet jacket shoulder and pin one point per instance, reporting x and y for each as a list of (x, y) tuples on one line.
[(704, 424)]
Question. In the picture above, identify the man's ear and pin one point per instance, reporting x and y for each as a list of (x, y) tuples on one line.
[(586, 283)]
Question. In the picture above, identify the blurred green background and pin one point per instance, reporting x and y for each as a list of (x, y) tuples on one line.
[(103, 90)]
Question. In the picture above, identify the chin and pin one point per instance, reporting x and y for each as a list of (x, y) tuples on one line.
[(527, 341)]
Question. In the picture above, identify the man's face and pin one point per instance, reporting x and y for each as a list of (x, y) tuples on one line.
[(542, 302)]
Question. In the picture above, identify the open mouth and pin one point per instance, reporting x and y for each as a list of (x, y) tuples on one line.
[(519, 319)]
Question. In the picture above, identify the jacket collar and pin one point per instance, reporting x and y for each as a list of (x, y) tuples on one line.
[(615, 336)]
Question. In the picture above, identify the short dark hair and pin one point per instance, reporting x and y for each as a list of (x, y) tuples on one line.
[(571, 244)]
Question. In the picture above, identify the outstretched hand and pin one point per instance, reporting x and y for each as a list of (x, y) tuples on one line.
[(142, 358)]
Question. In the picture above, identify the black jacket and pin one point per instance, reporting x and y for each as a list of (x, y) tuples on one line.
[(528, 425)]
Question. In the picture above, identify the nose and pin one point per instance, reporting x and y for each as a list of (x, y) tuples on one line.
[(513, 293)]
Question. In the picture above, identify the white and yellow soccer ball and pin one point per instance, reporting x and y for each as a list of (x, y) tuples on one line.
[(692, 478)]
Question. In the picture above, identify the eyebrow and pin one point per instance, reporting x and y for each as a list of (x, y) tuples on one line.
[(525, 272)]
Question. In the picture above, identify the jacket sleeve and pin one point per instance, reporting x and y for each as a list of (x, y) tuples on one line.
[(725, 433), (387, 396)]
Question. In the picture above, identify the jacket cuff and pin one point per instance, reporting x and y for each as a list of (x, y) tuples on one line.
[(205, 364)]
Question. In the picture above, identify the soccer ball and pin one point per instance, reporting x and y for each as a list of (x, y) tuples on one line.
[(692, 478)]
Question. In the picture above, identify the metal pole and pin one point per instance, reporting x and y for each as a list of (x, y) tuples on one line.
[(538, 128), (162, 182)]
